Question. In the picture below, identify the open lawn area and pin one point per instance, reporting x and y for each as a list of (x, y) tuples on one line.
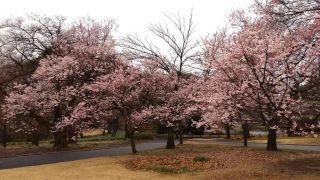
[(189, 161), (93, 139), (284, 140), (292, 140), (287, 140)]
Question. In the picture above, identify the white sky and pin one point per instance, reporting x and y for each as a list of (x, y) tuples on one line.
[(132, 16)]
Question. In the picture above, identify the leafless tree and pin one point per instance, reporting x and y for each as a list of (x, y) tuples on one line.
[(290, 12), (176, 50), (28, 39)]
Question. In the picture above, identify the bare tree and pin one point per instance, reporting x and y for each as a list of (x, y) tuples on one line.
[(175, 52), (27, 39), (290, 13)]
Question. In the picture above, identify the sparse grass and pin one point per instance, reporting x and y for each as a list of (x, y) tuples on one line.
[(292, 140), (92, 132), (145, 135), (240, 163), (95, 141), (201, 159), (100, 137), (301, 140)]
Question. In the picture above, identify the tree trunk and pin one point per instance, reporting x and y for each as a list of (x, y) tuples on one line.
[(129, 128), (245, 134), (133, 144), (81, 134), (180, 137), (4, 138), (272, 140), (114, 131), (170, 139), (289, 132), (114, 127), (76, 139), (227, 127), (60, 139), (35, 138), (127, 134)]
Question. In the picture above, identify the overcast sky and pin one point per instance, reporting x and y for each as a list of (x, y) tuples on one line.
[(133, 16)]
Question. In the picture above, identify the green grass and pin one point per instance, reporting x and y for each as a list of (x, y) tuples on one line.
[(167, 170), (145, 135), (201, 159), (107, 137), (94, 140)]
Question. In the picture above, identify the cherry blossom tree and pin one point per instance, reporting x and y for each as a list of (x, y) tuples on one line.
[(290, 13), (81, 54), (177, 109), (175, 51), (259, 74), (129, 92), (23, 41)]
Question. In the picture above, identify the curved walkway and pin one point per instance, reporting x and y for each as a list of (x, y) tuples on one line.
[(310, 148), (55, 157)]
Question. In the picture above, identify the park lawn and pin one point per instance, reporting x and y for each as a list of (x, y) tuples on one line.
[(291, 140), (303, 140), (92, 140), (221, 162), (44, 146)]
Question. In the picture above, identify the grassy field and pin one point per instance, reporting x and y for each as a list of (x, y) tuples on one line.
[(189, 161), (284, 140), (292, 140), (93, 139)]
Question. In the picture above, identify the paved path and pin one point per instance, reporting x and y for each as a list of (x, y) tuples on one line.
[(54, 157), (260, 145)]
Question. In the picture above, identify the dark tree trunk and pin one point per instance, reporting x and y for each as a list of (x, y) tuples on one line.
[(289, 132), (114, 131), (127, 133), (104, 131), (4, 138), (35, 138), (70, 134), (76, 139), (114, 127), (245, 134), (81, 134), (60, 139), (109, 128), (227, 127), (170, 139), (272, 140), (180, 137), (133, 144)]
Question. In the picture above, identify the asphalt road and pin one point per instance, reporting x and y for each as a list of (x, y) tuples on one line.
[(55, 157), (311, 148)]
